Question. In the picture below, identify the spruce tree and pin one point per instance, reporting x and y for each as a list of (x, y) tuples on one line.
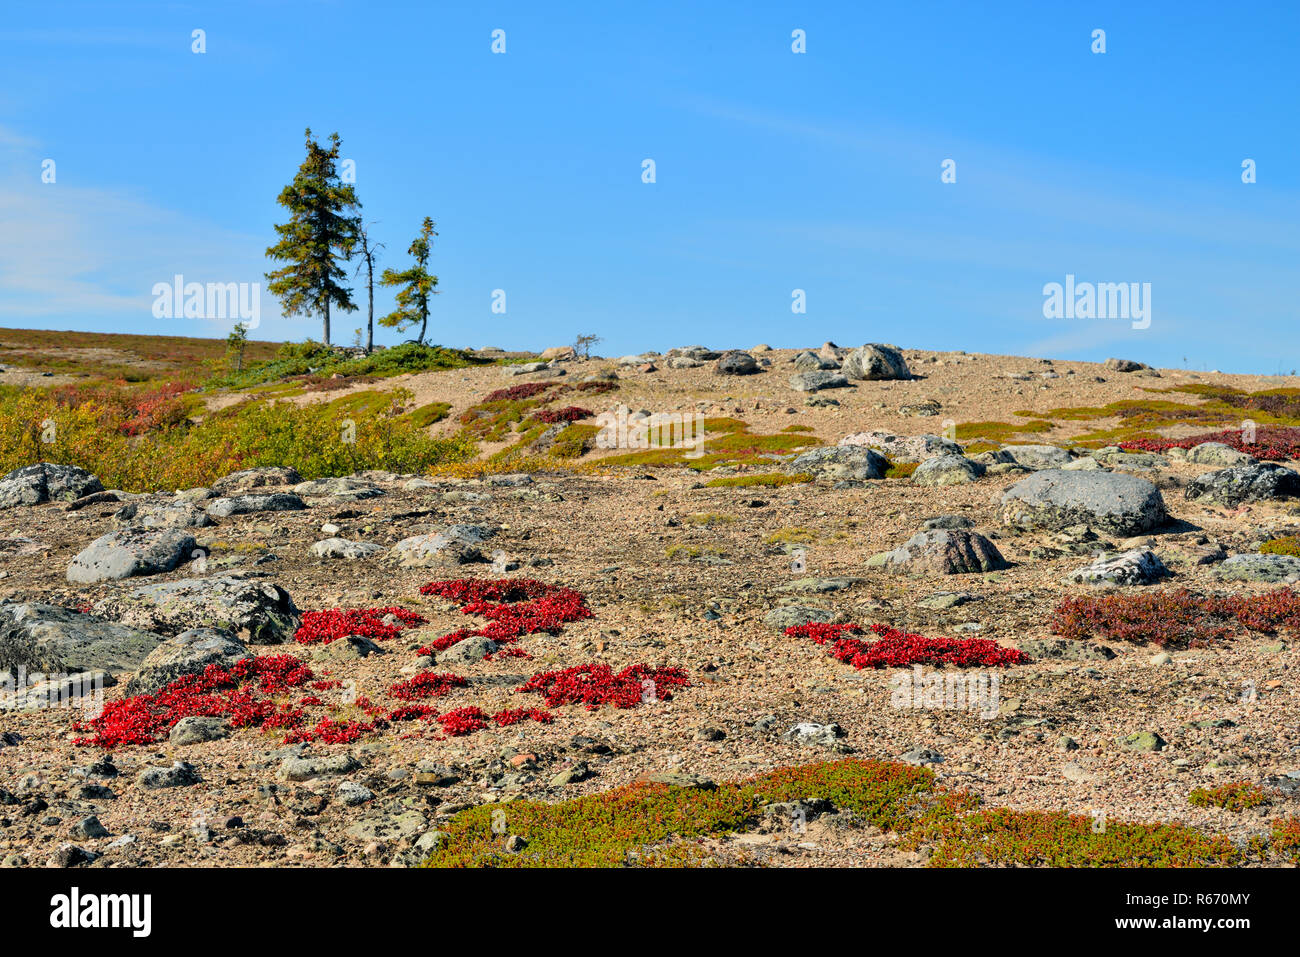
[(417, 286), (322, 229)]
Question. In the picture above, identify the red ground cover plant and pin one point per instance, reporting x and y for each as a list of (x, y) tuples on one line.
[(899, 649), (1175, 619), (515, 393), (594, 685), (571, 413), (427, 684), (1272, 443), (243, 693), (514, 607), (322, 627)]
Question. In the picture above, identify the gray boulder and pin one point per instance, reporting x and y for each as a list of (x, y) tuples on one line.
[(840, 463), (46, 482), (1037, 456), (875, 361), (735, 362), (811, 362), (1244, 483), (946, 470), (261, 476), (456, 543), (1216, 453), (247, 504), (792, 616), (123, 554), (188, 653), (175, 513), (904, 448), (47, 638), (1104, 501), (260, 610), (1138, 566), (942, 552), (815, 381), (196, 729)]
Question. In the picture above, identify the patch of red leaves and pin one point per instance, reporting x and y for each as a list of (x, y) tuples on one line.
[(1272, 442), (1175, 619), (243, 693), (514, 606), (427, 684), (595, 685), (899, 649), (571, 413), (517, 392), (322, 627)]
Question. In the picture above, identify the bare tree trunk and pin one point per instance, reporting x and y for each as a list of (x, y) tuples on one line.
[(327, 322), (370, 288)]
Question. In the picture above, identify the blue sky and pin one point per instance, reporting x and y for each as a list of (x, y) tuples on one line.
[(775, 171)]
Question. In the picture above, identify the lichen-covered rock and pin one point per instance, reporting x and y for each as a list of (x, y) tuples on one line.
[(943, 552), (1119, 458), (1139, 566), (904, 448), (344, 488), (1104, 501), (817, 380), (123, 554), (1244, 483), (1216, 453), (840, 463), (46, 482), (1037, 456), (188, 653), (247, 504), (1259, 568), (261, 611), (343, 548), (262, 476), (874, 361), (47, 638), (175, 513), (456, 544), (946, 470)]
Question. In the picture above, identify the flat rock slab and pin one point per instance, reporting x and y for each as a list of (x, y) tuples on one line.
[(944, 552), (343, 548), (46, 482), (792, 616), (456, 543), (344, 489), (247, 504), (1244, 483), (1108, 502), (816, 380), (124, 554), (1258, 568), (47, 639), (262, 611)]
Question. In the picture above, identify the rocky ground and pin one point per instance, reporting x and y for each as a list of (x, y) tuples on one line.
[(675, 574)]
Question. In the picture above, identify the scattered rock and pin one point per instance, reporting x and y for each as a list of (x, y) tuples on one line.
[(946, 470), (46, 482), (343, 548), (840, 463), (1244, 483), (188, 653), (180, 774), (124, 554), (196, 729), (1106, 501), (248, 504), (262, 610), (1139, 566), (1258, 568), (874, 361), (944, 552), (735, 362), (259, 477), (48, 639)]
